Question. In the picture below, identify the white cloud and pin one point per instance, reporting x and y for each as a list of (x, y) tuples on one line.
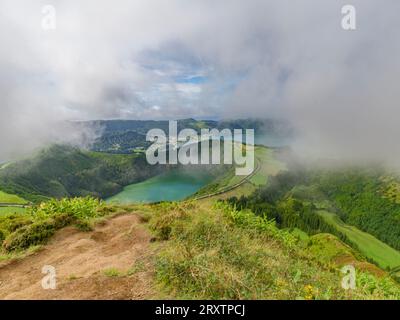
[(260, 57), (188, 89)]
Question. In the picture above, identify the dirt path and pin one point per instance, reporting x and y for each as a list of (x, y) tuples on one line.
[(80, 260)]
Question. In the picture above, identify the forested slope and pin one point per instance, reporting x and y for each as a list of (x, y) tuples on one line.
[(63, 171), (365, 199)]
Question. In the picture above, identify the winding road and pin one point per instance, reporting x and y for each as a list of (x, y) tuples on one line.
[(230, 188)]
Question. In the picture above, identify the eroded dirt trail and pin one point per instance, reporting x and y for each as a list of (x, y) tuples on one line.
[(80, 259)]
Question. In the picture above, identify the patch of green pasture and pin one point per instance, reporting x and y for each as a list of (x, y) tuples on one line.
[(268, 163), (11, 198), (10, 210), (384, 255)]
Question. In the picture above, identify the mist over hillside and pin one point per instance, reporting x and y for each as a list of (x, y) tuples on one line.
[(233, 59), (124, 136)]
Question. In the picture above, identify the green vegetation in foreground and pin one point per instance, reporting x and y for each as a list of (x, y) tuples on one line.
[(367, 244), (20, 231), (112, 272), (213, 251), (217, 252), (11, 198)]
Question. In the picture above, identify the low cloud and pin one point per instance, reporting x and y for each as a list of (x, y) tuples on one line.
[(255, 58)]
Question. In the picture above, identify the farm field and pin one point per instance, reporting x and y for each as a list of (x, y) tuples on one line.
[(10, 210), (384, 255), (11, 198)]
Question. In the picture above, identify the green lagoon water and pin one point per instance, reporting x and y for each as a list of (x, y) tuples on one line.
[(175, 185), (170, 186)]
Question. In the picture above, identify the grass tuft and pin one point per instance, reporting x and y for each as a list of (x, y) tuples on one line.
[(112, 272)]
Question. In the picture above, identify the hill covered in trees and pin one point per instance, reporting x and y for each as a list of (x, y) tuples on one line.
[(124, 136), (64, 171), (325, 200)]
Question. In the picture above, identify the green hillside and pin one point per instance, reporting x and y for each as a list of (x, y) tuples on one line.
[(348, 204), (285, 234), (11, 210), (208, 250), (123, 136), (62, 171), (212, 251), (123, 142), (368, 245), (11, 198), (266, 165), (360, 198)]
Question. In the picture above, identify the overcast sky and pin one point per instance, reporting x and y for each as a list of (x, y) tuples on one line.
[(169, 59)]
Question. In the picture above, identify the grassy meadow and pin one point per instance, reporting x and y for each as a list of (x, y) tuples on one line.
[(11, 198), (384, 255)]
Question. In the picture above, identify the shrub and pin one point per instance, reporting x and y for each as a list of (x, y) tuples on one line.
[(84, 225), (36, 233), (11, 222), (112, 272), (41, 222), (80, 208), (247, 219)]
